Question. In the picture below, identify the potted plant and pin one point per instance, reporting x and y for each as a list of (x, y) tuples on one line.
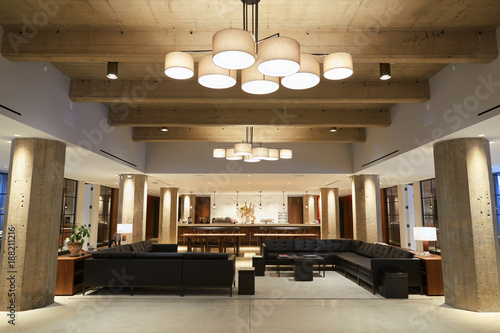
[(77, 238)]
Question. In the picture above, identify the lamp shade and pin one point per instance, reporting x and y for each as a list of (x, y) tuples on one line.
[(233, 49), (337, 66), (112, 72), (250, 159), (286, 154), (219, 153), (274, 154), (123, 228), (385, 71), (260, 153), (243, 149), (212, 76), (254, 82), (179, 65), (279, 56), (425, 233), (231, 156), (308, 75)]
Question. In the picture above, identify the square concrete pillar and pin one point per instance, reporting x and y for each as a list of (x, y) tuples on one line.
[(132, 204), (31, 226), (330, 218), (467, 221), (169, 199), (367, 218)]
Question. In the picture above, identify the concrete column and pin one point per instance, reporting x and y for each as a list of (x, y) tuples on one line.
[(366, 208), (132, 204), (169, 198), (309, 208), (468, 228), (31, 226), (330, 219), (187, 206)]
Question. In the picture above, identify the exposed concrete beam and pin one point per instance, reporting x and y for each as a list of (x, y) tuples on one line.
[(237, 134), (127, 95), (289, 117), (61, 44)]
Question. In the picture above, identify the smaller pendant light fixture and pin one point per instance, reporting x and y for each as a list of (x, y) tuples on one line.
[(231, 156), (333, 129), (385, 71), (254, 82), (279, 56), (214, 201), (285, 154), (190, 200), (337, 66), (237, 204), (243, 149), (260, 200), (112, 72), (179, 65), (219, 153), (212, 76), (307, 76), (233, 49), (283, 199), (307, 200)]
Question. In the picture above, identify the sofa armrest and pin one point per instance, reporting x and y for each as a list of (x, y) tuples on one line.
[(265, 250), (411, 266), (164, 247)]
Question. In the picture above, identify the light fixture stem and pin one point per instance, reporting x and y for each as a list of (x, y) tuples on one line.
[(272, 36), (256, 24)]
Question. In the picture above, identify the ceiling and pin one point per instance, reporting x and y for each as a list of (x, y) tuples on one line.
[(418, 38)]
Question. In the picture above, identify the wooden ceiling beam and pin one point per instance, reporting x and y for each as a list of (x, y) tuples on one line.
[(125, 95), (238, 134), (63, 44), (289, 117)]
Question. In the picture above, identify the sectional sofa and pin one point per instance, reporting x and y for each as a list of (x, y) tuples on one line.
[(363, 260), (144, 264)]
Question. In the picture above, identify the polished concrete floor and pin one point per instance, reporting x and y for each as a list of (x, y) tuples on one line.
[(220, 313)]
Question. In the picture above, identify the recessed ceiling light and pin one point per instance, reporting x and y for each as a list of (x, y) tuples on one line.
[(333, 129), (9, 141), (249, 175), (16, 135), (481, 135), (491, 142)]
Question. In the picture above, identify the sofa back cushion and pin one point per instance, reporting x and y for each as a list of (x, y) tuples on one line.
[(365, 249), (158, 255), (381, 251), (144, 246), (337, 245), (354, 244), (110, 254), (399, 253), (205, 256), (277, 245), (309, 245)]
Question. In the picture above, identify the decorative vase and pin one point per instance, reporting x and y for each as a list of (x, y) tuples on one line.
[(74, 249)]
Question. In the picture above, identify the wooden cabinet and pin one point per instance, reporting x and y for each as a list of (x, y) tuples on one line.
[(69, 278), (432, 274)]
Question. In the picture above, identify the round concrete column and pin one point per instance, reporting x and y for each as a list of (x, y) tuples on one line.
[(330, 218), (169, 202), (366, 208), (132, 204)]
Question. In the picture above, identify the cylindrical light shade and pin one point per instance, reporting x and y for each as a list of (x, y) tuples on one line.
[(285, 154), (274, 154), (337, 66), (219, 152), (250, 159), (179, 65), (233, 49), (308, 75), (242, 149), (112, 72), (385, 71), (425, 233), (279, 56), (212, 76), (253, 82), (124, 228), (231, 156), (260, 153)]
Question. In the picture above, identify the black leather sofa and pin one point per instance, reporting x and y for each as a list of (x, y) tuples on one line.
[(363, 260), (144, 264)]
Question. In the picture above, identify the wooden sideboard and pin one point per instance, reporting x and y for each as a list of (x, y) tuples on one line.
[(432, 274), (69, 278)]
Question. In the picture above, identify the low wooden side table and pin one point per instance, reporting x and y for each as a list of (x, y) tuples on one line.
[(69, 279)]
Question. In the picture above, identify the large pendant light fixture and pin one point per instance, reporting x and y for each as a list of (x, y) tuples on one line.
[(219, 153), (308, 75), (254, 82), (260, 153), (337, 66), (279, 56), (212, 76), (285, 154), (231, 156), (233, 49), (179, 65)]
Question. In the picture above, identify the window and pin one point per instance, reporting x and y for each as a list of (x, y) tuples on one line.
[(3, 196), (392, 210), (105, 202), (496, 181), (430, 209), (68, 212)]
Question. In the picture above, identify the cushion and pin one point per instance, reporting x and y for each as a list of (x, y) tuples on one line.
[(284, 245), (205, 256), (113, 254), (125, 248), (309, 245), (365, 249), (354, 244), (164, 247), (337, 245), (148, 245), (399, 253), (158, 255), (381, 251)]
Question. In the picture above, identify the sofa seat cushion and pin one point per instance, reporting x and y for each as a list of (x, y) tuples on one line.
[(337, 245), (205, 256), (309, 245), (354, 259), (158, 255), (277, 245), (274, 255), (110, 254)]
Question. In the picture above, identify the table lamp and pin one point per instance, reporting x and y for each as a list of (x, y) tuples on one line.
[(425, 234), (123, 229)]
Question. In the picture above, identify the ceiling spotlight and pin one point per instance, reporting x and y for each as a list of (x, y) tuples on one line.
[(112, 70), (385, 71), (333, 129), (164, 129)]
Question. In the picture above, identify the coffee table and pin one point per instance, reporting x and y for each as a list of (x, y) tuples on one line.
[(296, 260)]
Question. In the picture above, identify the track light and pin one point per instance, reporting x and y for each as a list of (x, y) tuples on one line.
[(385, 71), (112, 70), (164, 129), (333, 129)]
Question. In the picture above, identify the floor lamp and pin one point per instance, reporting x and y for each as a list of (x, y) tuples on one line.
[(123, 229), (425, 234)]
